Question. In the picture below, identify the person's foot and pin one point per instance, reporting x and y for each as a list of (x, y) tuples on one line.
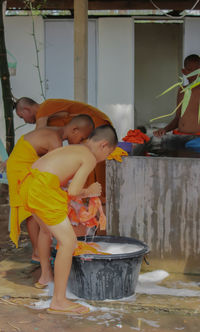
[(46, 277), (40, 286), (67, 307), (35, 259)]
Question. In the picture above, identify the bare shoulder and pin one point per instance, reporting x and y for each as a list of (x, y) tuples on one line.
[(85, 153), (52, 137), (42, 132), (43, 136)]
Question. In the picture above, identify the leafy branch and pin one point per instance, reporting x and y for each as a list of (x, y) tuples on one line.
[(187, 91), (30, 7)]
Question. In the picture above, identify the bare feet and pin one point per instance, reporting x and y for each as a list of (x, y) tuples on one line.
[(35, 258), (46, 277), (40, 286), (66, 306)]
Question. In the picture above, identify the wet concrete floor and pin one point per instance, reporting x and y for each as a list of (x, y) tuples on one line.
[(157, 306)]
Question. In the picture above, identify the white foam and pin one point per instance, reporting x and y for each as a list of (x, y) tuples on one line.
[(49, 292), (149, 322), (40, 304), (147, 285), (160, 290), (154, 276), (118, 248)]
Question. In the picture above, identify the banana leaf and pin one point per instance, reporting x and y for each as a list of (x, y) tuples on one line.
[(170, 88), (192, 85), (186, 100), (193, 73), (195, 84), (187, 95), (164, 116)]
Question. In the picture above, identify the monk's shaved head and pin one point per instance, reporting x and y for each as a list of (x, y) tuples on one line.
[(26, 109), (23, 101), (83, 120), (106, 132), (193, 58)]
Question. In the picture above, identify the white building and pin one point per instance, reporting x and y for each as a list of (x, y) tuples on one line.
[(129, 64)]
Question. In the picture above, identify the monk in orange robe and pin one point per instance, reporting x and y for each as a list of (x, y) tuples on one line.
[(58, 112)]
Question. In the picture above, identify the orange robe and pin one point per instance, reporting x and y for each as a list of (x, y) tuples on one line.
[(52, 106)]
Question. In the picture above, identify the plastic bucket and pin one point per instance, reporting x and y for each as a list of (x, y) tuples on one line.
[(100, 277)]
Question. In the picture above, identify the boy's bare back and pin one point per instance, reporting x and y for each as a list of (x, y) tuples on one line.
[(75, 161), (44, 140)]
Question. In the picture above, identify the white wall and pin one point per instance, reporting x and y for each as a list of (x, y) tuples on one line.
[(115, 71), (191, 39), (19, 42), (115, 82)]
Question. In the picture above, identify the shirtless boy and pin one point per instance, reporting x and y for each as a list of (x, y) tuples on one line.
[(27, 150), (58, 112), (41, 195), (188, 123)]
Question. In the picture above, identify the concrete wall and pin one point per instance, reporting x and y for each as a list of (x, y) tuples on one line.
[(191, 40), (116, 71), (156, 200), (158, 63)]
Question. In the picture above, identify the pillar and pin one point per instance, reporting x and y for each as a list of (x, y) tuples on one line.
[(81, 50)]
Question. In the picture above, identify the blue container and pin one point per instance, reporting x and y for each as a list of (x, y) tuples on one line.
[(100, 277)]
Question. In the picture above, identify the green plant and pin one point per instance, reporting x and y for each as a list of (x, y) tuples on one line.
[(34, 12), (187, 91)]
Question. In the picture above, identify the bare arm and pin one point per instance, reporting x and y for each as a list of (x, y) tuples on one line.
[(174, 123), (43, 121), (94, 190), (79, 179)]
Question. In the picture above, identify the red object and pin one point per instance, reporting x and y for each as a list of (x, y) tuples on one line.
[(177, 132), (79, 213), (136, 136)]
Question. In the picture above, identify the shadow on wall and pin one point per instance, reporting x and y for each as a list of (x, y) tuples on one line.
[(192, 264), (122, 117)]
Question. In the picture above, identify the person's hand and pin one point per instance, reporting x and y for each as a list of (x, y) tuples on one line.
[(160, 132), (2, 166), (94, 190)]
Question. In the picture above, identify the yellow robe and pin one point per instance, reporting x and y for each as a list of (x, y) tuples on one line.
[(18, 165), (41, 195)]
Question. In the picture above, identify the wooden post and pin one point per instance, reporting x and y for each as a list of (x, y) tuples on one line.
[(81, 50), (6, 89)]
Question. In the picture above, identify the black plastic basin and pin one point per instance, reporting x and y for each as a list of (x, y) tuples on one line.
[(100, 277)]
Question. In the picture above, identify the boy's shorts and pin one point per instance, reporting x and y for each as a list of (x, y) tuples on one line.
[(41, 195)]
